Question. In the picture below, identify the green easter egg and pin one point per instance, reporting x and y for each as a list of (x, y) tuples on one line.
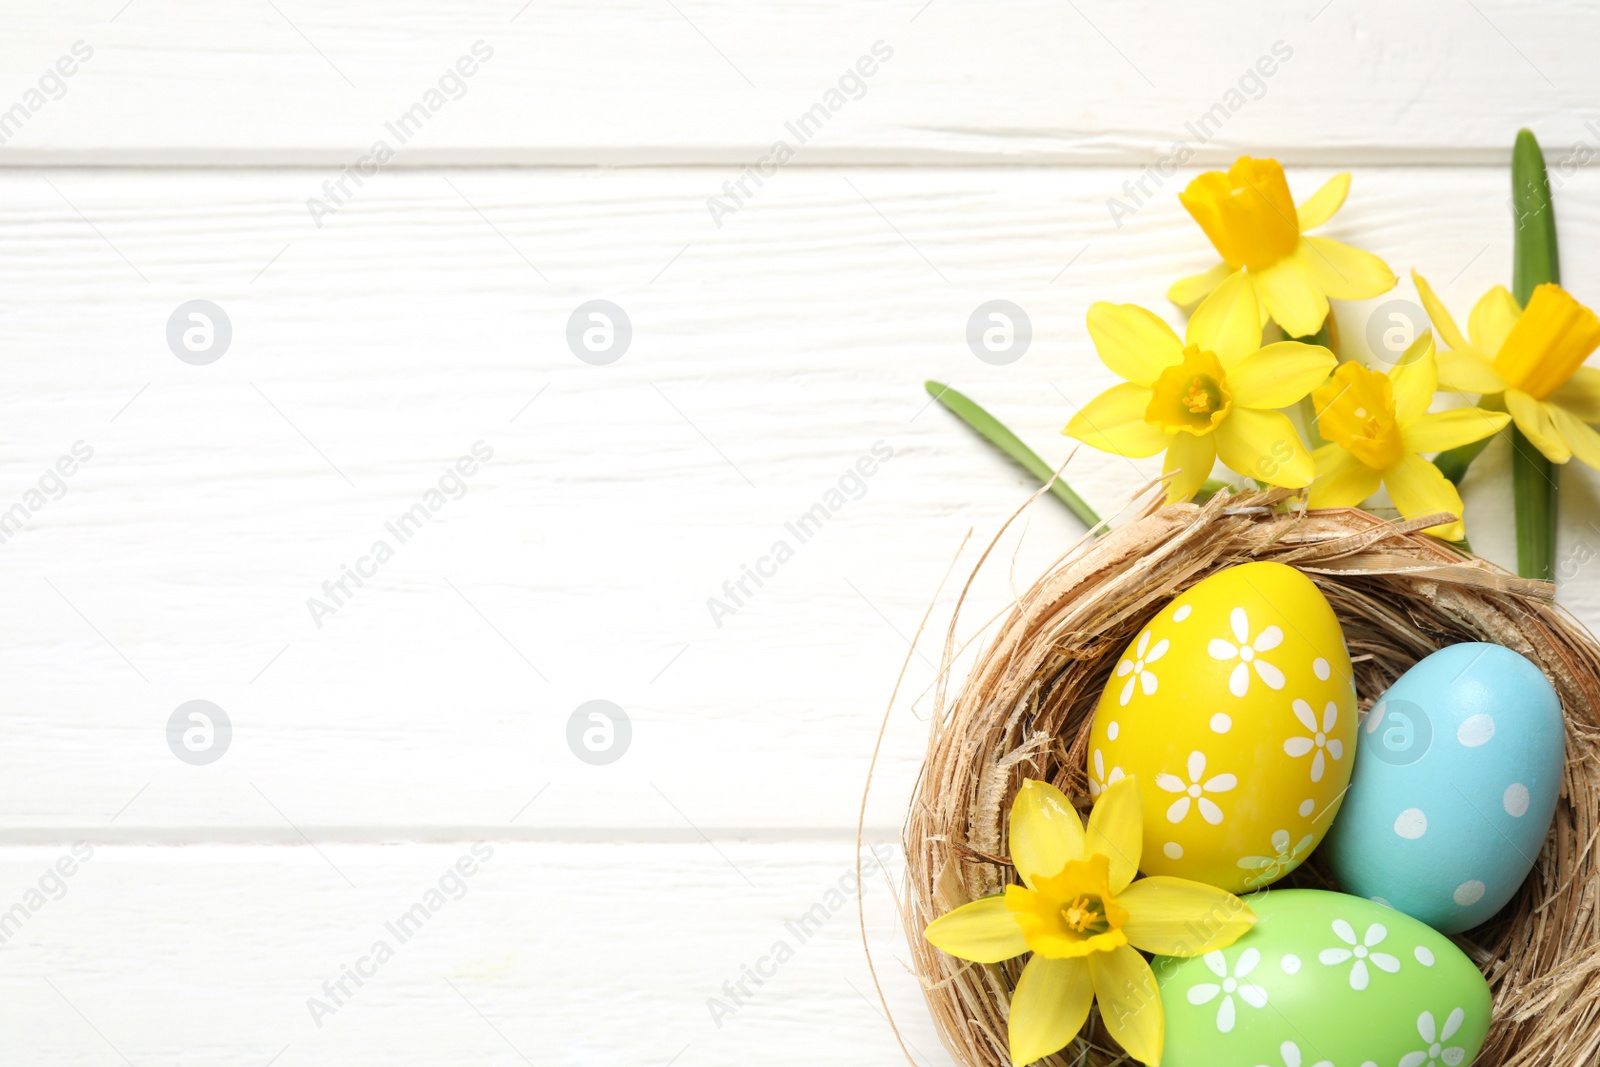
[(1324, 980)]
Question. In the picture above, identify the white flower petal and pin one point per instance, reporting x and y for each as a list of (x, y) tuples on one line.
[(1375, 935), (1358, 975), (1330, 715), (1334, 956), (1239, 680), (1317, 763), (1345, 932), (1220, 784), (1336, 748), (1216, 963), (1299, 746), (1171, 783), (1246, 962), (1147, 682), (1425, 1027), (1209, 811), (1253, 995), (1413, 1059), (1453, 1056), (1127, 691), (1115, 775), (1268, 639), (1125, 668), (1220, 649), (1204, 993), (1225, 1015), (1270, 674), (1452, 1024), (1144, 643), (1158, 650), (1307, 717), (1179, 809), (1241, 625), (1384, 962), (1197, 765)]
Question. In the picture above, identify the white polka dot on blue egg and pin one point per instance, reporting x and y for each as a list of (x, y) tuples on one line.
[(1456, 775)]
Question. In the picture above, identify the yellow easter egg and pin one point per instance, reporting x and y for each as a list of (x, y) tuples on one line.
[(1236, 710)]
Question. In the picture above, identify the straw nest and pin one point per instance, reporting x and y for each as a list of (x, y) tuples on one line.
[(1026, 708)]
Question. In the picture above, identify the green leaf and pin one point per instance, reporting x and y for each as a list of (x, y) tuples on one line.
[(1535, 260), (992, 430), (1308, 407)]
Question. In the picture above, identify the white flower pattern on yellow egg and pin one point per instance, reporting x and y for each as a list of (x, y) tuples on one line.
[(1437, 1052), (1100, 780), (1361, 951), (1319, 742), (1137, 668), (1247, 652), (1230, 984), (1195, 789), (1284, 859)]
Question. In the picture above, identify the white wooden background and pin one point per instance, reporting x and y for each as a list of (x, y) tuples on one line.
[(769, 354)]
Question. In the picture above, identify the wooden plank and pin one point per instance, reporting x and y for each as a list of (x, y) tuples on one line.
[(769, 356), (643, 82), (492, 953)]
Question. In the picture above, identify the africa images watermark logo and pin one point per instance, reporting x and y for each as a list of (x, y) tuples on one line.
[(852, 85)]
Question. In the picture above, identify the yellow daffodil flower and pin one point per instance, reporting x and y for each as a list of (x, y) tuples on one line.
[(1254, 225), (1083, 917), (1532, 359), (1214, 394), (1376, 424)]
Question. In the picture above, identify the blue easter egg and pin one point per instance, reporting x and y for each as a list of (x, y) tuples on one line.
[(1456, 774)]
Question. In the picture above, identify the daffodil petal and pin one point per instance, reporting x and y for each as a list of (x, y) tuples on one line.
[(1441, 430), (1578, 435), (1114, 422), (1291, 296), (1438, 314), (1049, 1007), (1418, 488), (1466, 370), (1344, 271), (1046, 832), (1178, 917), (1321, 205), (1279, 374), (1579, 394), (1130, 1003), (1534, 422), (1265, 445), (1187, 292), (983, 931), (1342, 480), (1133, 342), (1491, 319), (1415, 379), (1116, 830), (1228, 322), (1192, 457)]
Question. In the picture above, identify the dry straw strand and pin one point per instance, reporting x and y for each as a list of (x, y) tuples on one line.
[(1027, 705)]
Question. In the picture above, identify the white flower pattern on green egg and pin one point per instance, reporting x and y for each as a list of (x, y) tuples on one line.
[(1247, 652), (1138, 669), (1292, 1058), (1319, 743), (1361, 951), (1229, 986), (1437, 1051), (1195, 790)]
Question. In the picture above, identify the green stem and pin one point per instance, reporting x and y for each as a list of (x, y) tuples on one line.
[(1308, 407), (1535, 260), (992, 430), (1454, 463)]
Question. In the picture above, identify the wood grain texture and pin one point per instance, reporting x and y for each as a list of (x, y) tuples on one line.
[(429, 314), (711, 81), (566, 955)]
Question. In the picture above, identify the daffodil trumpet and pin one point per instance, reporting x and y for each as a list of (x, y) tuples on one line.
[(1213, 394), (1253, 223), (1378, 425), (1084, 918)]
